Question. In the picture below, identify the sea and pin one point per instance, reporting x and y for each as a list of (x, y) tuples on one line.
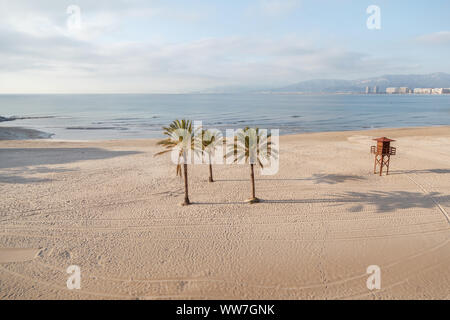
[(140, 116)]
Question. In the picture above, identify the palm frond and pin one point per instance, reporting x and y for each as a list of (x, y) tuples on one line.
[(179, 138), (252, 145)]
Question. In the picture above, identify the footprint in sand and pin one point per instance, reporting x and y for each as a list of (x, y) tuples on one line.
[(65, 255)]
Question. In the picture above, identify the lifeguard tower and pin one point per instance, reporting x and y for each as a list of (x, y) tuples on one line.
[(383, 152)]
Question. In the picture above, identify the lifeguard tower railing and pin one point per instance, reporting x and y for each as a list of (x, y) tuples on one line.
[(392, 151)]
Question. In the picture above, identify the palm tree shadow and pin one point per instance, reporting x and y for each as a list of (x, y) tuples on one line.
[(438, 171), (217, 203), (24, 157), (383, 201), (334, 178), (316, 178), (15, 162), (289, 201), (390, 201), (21, 175)]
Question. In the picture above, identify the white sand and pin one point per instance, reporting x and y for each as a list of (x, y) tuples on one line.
[(112, 209), (8, 255)]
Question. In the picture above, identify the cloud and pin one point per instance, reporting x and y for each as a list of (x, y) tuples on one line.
[(175, 67), (438, 38), (278, 7), (39, 54), (48, 18)]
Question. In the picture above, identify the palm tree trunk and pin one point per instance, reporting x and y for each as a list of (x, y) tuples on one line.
[(210, 170), (252, 176), (186, 193)]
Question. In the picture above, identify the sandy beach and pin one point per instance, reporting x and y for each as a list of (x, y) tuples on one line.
[(112, 208)]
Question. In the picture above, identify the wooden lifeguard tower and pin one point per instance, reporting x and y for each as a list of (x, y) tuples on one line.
[(383, 152)]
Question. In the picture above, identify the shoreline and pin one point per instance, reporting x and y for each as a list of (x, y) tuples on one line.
[(21, 133)]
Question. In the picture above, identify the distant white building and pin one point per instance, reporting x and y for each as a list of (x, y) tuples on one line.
[(367, 90), (441, 91), (392, 90), (432, 90), (375, 89), (405, 90), (437, 91), (423, 91)]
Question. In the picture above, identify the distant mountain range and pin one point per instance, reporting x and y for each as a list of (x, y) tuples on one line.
[(433, 80)]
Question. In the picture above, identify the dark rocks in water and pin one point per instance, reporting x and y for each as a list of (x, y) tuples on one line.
[(23, 118), (18, 133), (96, 128), (2, 119)]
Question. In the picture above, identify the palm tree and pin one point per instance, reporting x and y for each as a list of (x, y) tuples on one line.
[(180, 139), (211, 140), (254, 147)]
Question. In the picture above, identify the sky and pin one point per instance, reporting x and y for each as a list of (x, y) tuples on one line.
[(169, 46)]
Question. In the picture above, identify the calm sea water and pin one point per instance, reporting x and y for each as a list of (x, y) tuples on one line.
[(142, 116)]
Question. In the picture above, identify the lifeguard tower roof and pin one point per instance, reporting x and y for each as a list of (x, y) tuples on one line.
[(383, 139)]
